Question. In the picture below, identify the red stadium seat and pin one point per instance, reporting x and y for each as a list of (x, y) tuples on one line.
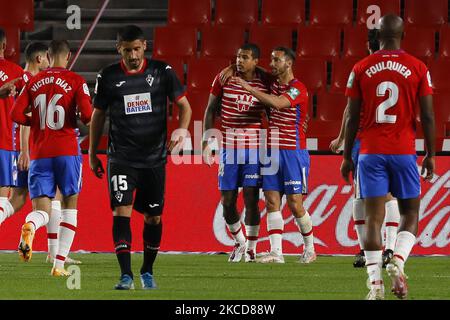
[(19, 13), (318, 42), (237, 12), (440, 71), (355, 42), (179, 41), (324, 131), (386, 6), (265, 63), (340, 71), (213, 44), (201, 72), (268, 37), (291, 15), (330, 106), (312, 72), (420, 42), (444, 42), (424, 13), (12, 44), (442, 107), (331, 12), (189, 12)]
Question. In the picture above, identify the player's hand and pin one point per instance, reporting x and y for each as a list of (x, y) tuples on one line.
[(208, 157), (347, 166), (428, 165), (24, 161), (177, 140), (336, 144), (96, 166), (8, 89), (226, 74), (244, 84)]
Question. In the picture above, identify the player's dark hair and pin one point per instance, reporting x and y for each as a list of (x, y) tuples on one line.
[(2, 35), (130, 33), (58, 47), (288, 52), (256, 52), (33, 49), (372, 38)]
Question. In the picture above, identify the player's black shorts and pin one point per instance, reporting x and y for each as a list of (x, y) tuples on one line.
[(149, 184)]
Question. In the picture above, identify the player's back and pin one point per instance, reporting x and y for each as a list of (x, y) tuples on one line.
[(54, 95), (389, 84)]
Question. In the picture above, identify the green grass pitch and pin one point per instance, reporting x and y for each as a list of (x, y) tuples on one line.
[(211, 277)]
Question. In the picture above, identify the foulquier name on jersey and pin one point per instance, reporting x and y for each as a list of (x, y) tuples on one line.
[(388, 65), (137, 103), (51, 80)]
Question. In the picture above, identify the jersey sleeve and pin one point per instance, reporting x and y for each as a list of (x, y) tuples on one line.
[(176, 90), (353, 89), (297, 94), (426, 85), (84, 104), (20, 105), (216, 87), (101, 98)]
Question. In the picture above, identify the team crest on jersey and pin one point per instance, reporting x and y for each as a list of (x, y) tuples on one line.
[(119, 196), (150, 80), (293, 93), (351, 79), (137, 103), (244, 102)]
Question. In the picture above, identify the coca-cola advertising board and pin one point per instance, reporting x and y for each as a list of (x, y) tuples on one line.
[(192, 218)]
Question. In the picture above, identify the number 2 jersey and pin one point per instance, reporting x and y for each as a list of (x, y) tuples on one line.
[(389, 84), (54, 95)]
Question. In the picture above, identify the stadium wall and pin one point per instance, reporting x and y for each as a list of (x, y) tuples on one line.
[(193, 215)]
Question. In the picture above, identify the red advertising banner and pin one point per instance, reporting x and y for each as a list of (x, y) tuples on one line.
[(192, 218)]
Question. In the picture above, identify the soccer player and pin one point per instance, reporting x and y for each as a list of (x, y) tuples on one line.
[(288, 101), (36, 60), (241, 122), (53, 96), (10, 177), (392, 213), (134, 92), (385, 87)]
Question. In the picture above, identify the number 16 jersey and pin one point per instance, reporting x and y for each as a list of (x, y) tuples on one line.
[(54, 95), (389, 84)]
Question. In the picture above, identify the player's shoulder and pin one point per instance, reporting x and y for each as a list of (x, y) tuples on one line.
[(158, 64), (110, 70), (13, 67), (296, 83), (415, 61)]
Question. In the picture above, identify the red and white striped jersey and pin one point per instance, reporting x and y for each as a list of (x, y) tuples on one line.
[(241, 113), (289, 121)]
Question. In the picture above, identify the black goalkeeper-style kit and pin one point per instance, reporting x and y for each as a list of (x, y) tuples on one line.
[(137, 107)]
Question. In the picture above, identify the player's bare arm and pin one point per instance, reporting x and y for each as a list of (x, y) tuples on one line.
[(277, 102), (337, 143), (429, 132), (208, 123), (185, 114), (95, 132), (351, 129), (24, 155)]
